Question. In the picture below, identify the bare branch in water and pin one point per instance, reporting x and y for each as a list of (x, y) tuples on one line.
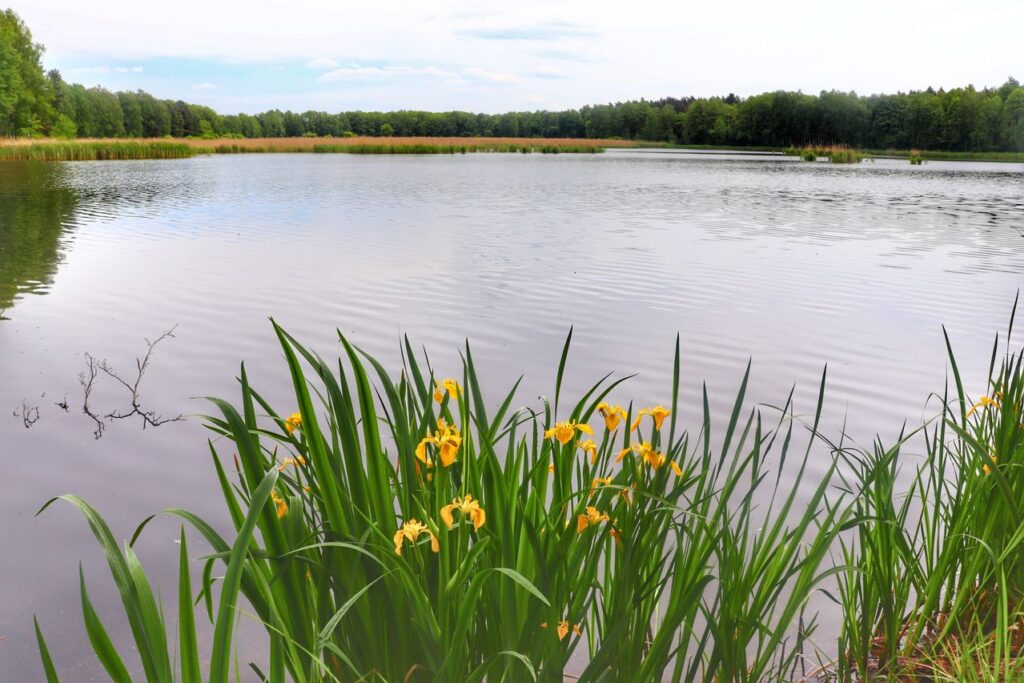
[(87, 379), (63, 405), (29, 414), (149, 417)]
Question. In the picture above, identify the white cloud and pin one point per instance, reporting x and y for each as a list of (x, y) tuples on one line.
[(355, 72), (477, 74), (322, 63), (128, 69), (204, 86), (571, 52), (545, 73)]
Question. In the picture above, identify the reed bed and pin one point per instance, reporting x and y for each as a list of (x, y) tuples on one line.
[(424, 148), (96, 149), (836, 154), (397, 528), (389, 145)]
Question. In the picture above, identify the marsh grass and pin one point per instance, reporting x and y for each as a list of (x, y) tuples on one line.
[(636, 553), (99, 149), (95, 151)]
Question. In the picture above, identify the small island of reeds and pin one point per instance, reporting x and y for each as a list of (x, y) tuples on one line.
[(836, 154)]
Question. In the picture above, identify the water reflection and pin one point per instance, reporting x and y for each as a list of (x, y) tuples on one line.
[(36, 209)]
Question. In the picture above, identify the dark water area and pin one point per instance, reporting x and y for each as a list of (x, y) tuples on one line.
[(793, 265)]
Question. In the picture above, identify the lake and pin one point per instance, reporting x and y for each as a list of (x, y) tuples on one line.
[(793, 265)]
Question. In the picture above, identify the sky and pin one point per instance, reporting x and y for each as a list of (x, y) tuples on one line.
[(485, 56)]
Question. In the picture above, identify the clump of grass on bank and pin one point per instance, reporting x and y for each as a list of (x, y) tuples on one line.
[(95, 151), (837, 154), (398, 528), (935, 582), (916, 158)]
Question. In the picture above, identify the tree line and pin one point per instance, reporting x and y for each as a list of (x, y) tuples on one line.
[(34, 103)]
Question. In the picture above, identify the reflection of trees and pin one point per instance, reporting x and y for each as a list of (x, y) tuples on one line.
[(35, 206)]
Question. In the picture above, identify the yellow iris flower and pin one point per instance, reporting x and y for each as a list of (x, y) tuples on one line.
[(448, 386), (468, 507), (599, 481), (280, 503), (984, 402), (657, 413), (650, 456), (612, 415), (411, 531), (294, 462), (592, 517), (590, 447), (447, 440), (986, 469), (293, 422), (564, 627), (563, 431)]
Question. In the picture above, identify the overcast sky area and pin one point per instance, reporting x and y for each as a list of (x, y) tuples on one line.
[(491, 57)]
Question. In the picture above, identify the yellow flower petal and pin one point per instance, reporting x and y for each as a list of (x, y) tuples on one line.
[(293, 422), (280, 504), (446, 515)]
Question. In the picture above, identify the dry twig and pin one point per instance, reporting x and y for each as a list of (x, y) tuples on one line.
[(149, 417)]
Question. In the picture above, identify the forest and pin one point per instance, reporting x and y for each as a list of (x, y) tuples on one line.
[(38, 103)]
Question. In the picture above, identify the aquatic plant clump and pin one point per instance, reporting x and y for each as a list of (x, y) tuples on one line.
[(836, 154), (399, 528)]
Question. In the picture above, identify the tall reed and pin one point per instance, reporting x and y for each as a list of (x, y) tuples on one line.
[(95, 151), (935, 582)]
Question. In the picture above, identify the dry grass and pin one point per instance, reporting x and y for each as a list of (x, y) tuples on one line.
[(307, 144)]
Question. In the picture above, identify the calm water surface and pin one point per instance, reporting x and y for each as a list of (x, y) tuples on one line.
[(795, 265)]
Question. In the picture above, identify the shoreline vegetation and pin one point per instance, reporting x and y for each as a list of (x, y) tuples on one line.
[(55, 149), (100, 149), (395, 527)]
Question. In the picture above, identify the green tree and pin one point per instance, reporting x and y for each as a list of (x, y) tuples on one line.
[(25, 97), (132, 110), (1013, 121)]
